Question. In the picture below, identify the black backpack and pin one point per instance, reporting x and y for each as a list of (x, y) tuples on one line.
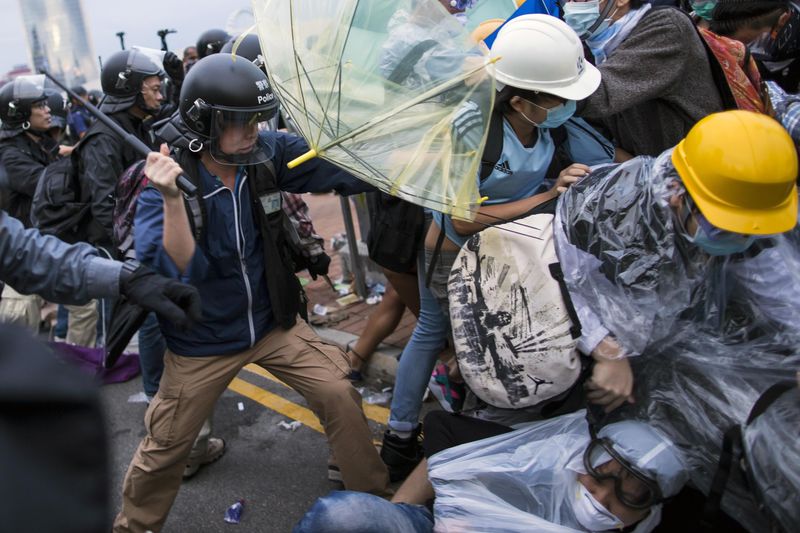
[(57, 207)]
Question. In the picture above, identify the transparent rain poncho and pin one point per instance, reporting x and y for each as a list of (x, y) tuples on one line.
[(711, 333), (624, 256), (524, 481), (772, 449), (375, 87), (695, 387)]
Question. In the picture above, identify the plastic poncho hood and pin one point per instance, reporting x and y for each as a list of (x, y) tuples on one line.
[(525, 480)]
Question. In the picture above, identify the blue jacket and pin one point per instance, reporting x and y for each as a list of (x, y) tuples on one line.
[(228, 265)]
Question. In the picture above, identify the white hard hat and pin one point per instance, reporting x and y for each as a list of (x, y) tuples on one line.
[(542, 53)]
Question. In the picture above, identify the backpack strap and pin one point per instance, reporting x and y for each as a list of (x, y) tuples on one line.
[(555, 271), (767, 398), (494, 145), (195, 205), (437, 250), (195, 208), (403, 69)]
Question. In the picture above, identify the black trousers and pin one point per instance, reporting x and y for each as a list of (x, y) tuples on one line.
[(444, 430)]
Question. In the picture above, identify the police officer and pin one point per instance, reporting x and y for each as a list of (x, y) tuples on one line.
[(25, 147), (25, 151)]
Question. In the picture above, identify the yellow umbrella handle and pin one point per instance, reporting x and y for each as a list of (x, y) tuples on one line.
[(311, 154)]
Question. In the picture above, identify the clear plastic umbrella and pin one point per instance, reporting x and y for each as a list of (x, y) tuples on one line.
[(395, 91)]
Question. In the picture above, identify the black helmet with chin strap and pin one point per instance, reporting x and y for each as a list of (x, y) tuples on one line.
[(210, 42), (224, 91), (17, 98), (122, 77)]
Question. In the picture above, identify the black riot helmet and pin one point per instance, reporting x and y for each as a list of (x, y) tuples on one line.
[(249, 48), (210, 42), (17, 98), (224, 94), (122, 77), (59, 108)]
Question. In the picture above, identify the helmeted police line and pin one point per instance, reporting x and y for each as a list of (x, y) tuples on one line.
[(220, 91)]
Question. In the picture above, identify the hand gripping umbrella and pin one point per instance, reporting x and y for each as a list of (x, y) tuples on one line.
[(394, 91)]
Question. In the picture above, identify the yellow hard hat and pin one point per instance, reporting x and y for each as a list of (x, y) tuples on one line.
[(485, 29), (740, 168)]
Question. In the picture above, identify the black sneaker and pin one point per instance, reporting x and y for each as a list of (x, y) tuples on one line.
[(401, 455)]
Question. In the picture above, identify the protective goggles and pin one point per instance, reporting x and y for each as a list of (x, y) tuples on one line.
[(597, 453)]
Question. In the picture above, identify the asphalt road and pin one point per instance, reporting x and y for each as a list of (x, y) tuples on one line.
[(279, 473)]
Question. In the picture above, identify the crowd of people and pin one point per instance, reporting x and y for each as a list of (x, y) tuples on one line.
[(614, 323)]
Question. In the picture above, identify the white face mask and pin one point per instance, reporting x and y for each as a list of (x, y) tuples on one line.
[(589, 512)]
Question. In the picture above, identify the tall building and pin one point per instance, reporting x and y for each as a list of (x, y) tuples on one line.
[(59, 41)]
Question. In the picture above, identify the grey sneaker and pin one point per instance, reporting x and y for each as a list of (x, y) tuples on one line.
[(215, 450)]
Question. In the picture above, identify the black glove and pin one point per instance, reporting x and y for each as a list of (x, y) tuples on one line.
[(177, 302), (318, 265), (173, 66)]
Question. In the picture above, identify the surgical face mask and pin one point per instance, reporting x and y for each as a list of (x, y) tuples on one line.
[(580, 16), (721, 243), (715, 241), (556, 116), (589, 512)]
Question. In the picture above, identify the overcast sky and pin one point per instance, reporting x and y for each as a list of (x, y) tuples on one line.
[(139, 19)]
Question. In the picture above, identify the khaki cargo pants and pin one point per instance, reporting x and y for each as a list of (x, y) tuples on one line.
[(190, 386)]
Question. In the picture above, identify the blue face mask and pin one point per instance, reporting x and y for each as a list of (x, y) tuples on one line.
[(580, 16), (556, 116), (725, 244), (717, 242)]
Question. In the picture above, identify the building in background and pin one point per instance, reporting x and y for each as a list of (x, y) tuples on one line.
[(59, 41)]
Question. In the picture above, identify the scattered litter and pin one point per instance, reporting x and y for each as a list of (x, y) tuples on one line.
[(343, 291), (320, 310), (339, 280), (338, 241), (378, 398), (233, 515), (340, 286), (375, 398), (291, 426), (241, 406), (373, 299), (140, 397), (344, 301), (378, 288), (303, 281), (328, 320)]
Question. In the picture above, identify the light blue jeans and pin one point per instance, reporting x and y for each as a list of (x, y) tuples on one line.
[(358, 512), (426, 343)]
